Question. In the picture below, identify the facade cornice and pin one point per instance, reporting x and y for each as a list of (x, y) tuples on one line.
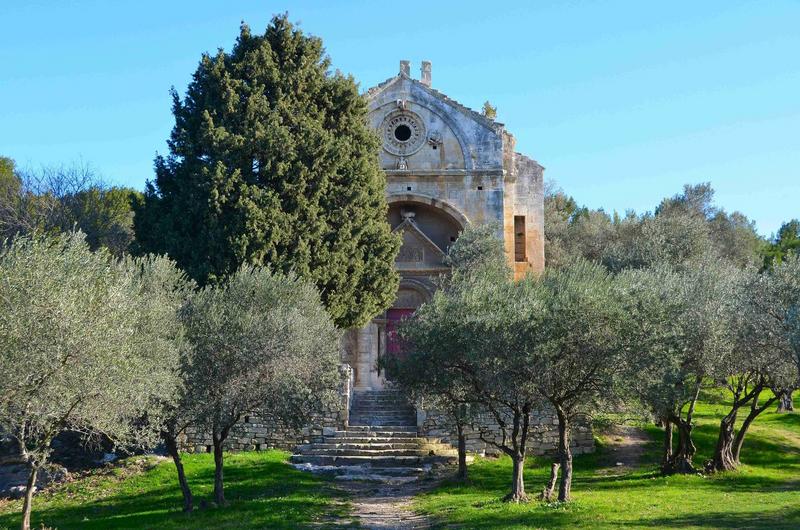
[(405, 173)]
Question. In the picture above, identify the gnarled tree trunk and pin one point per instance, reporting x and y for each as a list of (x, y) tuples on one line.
[(172, 448), (681, 460), (564, 456), (27, 502), (785, 403), (755, 410), (723, 453), (729, 442)]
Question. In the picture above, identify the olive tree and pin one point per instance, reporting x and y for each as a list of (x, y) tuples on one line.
[(89, 344), (574, 354), (262, 341), (466, 342), (681, 338), (766, 357)]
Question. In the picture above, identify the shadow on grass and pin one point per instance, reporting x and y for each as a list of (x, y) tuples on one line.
[(778, 519), (571, 517), (261, 490), (763, 494)]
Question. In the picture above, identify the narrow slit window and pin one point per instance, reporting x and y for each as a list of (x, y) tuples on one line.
[(519, 238)]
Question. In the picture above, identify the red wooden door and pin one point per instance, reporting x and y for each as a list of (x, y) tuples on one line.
[(394, 345)]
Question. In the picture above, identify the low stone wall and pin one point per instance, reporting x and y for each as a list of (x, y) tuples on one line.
[(542, 441), (256, 433)]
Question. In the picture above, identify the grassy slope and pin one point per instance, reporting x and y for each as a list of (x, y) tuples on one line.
[(765, 493), (263, 492)]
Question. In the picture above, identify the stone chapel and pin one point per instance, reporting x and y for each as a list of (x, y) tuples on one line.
[(446, 166)]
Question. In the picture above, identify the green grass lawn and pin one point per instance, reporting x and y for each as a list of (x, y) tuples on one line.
[(764, 493), (262, 490)]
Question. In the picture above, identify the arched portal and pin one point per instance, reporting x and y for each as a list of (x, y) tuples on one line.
[(428, 227)]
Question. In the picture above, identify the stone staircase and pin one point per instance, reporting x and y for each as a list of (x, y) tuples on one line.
[(380, 444)]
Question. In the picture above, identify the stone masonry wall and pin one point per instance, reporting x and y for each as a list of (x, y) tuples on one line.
[(543, 439), (256, 433)]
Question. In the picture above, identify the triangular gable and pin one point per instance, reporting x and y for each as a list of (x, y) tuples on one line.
[(446, 100), (418, 252)]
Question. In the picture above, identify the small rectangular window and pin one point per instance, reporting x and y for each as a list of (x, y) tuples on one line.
[(519, 238)]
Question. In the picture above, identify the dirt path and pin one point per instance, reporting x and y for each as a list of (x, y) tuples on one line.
[(385, 506), (625, 447)]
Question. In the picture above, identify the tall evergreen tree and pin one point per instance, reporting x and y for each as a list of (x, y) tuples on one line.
[(271, 162)]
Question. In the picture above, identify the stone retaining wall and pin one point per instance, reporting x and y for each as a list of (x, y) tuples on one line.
[(256, 433), (542, 441)]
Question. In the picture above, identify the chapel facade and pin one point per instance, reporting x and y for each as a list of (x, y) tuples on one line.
[(446, 166)]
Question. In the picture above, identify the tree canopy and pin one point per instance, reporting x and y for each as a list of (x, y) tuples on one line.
[(271, 162), (262, 342), (55, 199), (90, 344)]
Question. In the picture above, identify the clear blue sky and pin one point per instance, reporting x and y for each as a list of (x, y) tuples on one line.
[(622, 102)]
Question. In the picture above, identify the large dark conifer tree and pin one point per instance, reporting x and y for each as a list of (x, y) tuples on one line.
[(271, 162)]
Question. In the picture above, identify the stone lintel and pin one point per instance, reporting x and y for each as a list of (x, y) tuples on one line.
[(444, 172)]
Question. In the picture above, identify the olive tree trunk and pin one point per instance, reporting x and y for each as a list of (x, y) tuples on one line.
[(723, 453), (550, 488), (564, 457), (681, 459), (738, 442), (729, 441), (517, 480), (785, 403), (667, 452), (462, 452), (519, 441), (172, 448), (30, 487), (219, 493)]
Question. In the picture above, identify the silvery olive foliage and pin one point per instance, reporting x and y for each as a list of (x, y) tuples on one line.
[(466, 336), (89, 343), (680, 339), (575, 357), (262, 343), (549, 342)]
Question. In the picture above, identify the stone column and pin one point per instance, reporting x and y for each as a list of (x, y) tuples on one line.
[(367, 357)]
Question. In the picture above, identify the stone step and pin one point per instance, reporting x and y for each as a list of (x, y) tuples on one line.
[(405, 411), (383, 413), (388, 407), (373, 461), (375, 439), (341, 451), (389, 424), (380, 401), (382, 408), (378, 477), (402, 471), (409, 433), (386, 430), (378, 422), (328, 444)]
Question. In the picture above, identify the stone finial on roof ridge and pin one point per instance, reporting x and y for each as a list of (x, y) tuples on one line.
[(425, 73)]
